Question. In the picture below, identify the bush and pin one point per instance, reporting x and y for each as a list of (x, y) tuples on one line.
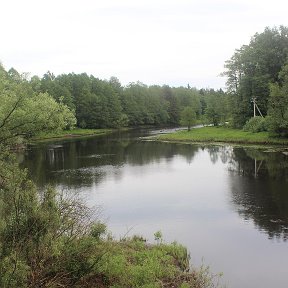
[(256, 124)]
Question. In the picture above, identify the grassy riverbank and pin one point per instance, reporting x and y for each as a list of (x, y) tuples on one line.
[(70, 134), (222, 135), (134, 263)]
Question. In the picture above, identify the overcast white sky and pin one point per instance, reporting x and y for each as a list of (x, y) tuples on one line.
[(172, 42)]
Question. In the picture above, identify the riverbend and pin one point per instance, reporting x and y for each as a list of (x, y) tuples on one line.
[(228, 205)]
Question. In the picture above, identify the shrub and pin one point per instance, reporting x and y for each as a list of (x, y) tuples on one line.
[(256, 124)]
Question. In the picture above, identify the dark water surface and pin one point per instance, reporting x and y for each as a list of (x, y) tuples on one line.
[(228, 205)]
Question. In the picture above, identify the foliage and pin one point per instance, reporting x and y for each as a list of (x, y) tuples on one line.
[(158, 236), (24, 113), (256, 124), (217, 108), (144, 105), (188, 117), (278, 104), (173, 105), (251, 70), (134, 263), (44, 240), (106, 104)]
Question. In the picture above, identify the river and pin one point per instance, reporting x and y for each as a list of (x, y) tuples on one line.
[(228, 205)]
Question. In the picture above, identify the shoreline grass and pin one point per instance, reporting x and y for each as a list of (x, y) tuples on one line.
[(132, 262), (66, 134), (222, 135)]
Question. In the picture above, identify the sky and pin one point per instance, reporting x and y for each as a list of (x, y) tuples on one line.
[(173, 42)]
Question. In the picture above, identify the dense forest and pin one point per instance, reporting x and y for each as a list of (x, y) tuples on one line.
[(258, 71), (106, 103), (50, 240)]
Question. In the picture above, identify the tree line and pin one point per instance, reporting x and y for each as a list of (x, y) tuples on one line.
[(100, 103), (255, 72), (106, 103), (259, 71)]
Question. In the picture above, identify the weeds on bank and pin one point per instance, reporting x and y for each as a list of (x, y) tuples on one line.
[(133, 262)]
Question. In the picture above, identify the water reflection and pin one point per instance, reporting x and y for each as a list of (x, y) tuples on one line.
[(261, 193), (88, 162), (257, 179), (223, 153)]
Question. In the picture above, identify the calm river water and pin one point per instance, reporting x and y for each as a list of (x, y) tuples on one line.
[(228, 205)]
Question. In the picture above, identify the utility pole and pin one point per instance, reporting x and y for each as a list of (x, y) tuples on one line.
[(256, 106)]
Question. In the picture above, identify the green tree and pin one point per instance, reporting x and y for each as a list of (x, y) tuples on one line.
[(109, 105), (39, 234), (188, 117), (173, 105), (158, 106), (134, 101), (53, 87), (251, 70), (24, 113), (278, 104), (188, 97), (217, 107)]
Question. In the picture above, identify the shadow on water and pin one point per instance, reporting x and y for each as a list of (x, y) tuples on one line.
[(88, 162), (258, 179), (261, 192), (258, 186)]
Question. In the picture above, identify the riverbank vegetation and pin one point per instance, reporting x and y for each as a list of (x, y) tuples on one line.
[(257, 96), (222, 135), (258, 77), (107, 104), (257, 84), (71, 133)]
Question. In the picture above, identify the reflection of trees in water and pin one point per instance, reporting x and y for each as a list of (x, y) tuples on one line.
[(68, 163), (220, 152), (262, 193), (88, 162), (258, 179), (260, 164), (146, 152)]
